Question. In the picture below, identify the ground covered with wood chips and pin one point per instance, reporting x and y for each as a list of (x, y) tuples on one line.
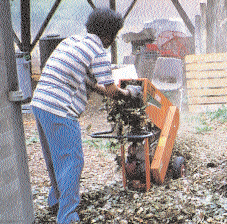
[(200, 197)]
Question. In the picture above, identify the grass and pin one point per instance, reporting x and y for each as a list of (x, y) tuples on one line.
[(103, 145), (220, 115), (205, 120)]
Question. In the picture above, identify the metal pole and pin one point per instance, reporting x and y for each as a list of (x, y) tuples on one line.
[(91, 4), (17, 41), (114, 44), (25, 25), (211, 26), (16, 205), (184, 16), (197, 34), (129, 9), (113, 5), (203, 9)]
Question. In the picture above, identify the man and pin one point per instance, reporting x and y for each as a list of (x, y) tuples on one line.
[(77, 66)]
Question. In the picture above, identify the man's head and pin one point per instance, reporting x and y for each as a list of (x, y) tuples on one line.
[(105, 23)]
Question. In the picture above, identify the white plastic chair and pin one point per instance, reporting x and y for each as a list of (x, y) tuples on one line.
[(168, 77)]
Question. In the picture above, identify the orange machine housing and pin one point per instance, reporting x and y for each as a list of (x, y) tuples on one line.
[(165, 116)]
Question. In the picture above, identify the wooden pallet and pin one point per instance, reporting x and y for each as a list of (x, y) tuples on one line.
[(206, 80)]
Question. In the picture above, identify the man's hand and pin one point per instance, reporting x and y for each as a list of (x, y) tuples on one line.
[(112, 91), (135, 95), (115, 92), (135, 91)]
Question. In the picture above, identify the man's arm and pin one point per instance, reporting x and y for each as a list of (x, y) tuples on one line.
[(112, 91)]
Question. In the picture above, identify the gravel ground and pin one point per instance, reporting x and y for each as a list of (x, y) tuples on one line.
[(200, 197)]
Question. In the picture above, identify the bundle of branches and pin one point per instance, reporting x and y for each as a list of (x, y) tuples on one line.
[(127, 116)]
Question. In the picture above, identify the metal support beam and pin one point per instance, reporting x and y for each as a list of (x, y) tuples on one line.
[(16, 205), (184, 16), (211, 26), (45, 23), (17, 41), (114, 44), (25, 25), (203, 9), (129, 9), (91, 4), (113, 5), (197, 34)]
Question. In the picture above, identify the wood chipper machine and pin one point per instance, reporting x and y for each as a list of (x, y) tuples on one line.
[(148, 129)]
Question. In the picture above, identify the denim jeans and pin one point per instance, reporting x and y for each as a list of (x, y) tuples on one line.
[(61, 143)]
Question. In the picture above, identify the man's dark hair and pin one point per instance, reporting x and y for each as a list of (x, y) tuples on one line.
[(104, 22)]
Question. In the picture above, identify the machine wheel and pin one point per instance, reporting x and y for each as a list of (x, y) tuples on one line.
[(179, 167)]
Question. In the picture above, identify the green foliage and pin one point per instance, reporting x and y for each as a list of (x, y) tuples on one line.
[(202, 128), (205, 121), (220, 114), (104, 145)]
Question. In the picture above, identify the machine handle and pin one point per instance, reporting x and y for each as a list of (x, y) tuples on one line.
[(104, 135)]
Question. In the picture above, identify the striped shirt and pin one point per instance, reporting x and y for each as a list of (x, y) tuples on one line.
[(62, 88)]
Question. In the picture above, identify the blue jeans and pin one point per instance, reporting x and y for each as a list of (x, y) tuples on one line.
[(61, 143)]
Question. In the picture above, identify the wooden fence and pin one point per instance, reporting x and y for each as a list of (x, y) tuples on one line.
[(206, 80)]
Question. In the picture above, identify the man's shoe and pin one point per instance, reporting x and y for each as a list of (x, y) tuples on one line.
[(54, 209)]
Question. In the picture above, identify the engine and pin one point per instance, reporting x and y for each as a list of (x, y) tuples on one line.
[(135, 162)]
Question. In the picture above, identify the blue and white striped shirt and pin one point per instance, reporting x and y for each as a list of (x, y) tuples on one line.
[(62, 88)]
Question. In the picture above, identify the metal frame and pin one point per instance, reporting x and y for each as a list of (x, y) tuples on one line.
[(25, 45), (166, 118)]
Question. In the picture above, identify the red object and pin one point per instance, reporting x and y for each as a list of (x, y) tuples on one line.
[(171, 44)]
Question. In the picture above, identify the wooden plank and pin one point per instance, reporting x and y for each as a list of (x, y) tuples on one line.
[(206, 92), (206, 66), (205, 74), (213, 57), (207, 100), (203, 108), (206, 79), (206, 83)]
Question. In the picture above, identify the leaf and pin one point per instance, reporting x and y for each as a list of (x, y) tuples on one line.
[(88, 128)]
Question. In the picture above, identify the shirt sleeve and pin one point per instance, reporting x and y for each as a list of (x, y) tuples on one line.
[(101, 69)]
